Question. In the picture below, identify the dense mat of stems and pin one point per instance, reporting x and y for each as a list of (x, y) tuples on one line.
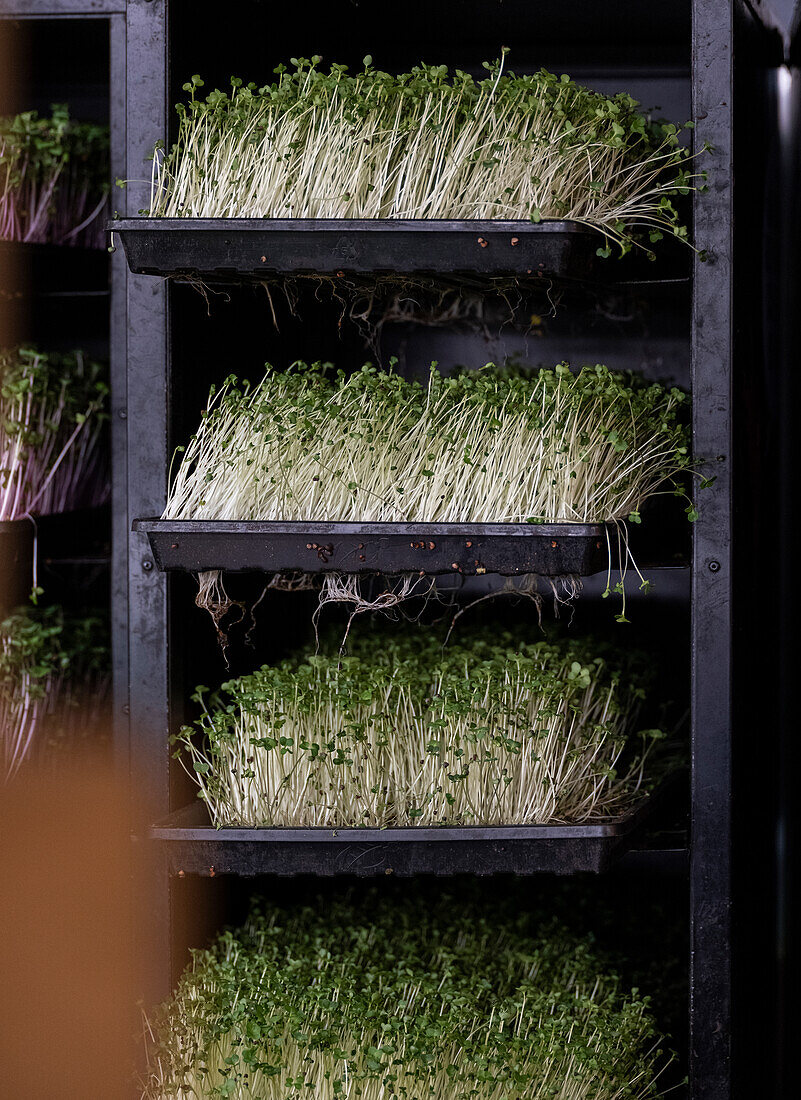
[(402, 733), (493, 445), (424, 144), (419, 1002), (52, 412), (55, 678), (54, 179)]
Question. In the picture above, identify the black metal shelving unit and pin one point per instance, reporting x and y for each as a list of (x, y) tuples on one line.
[(176, 841), (65, 293)]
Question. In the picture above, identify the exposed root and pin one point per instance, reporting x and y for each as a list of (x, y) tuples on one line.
[(480, 305), (213, 598), (368, 302), (292, 582), (563, 589), (272, 306), (525, 586), (347, 588), (475, 304), (205, 290), (280, 582)]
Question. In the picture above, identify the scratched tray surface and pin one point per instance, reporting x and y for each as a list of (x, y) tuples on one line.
[(192, 845), (549, 550), (250, 247)]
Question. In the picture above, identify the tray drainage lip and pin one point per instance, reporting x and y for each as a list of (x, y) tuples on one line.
[(374, 225), (301, 527)]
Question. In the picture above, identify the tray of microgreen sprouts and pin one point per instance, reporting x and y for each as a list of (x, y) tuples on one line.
[(404, 996), (54, 179), (52, 458), (52, 412), (404, 740), (428, 171), (55, 681), (499, 470)]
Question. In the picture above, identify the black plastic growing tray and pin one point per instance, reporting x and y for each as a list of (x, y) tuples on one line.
[(193, 846), (226, 248), (549, 550)]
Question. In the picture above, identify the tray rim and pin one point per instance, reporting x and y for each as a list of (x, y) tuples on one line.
[(374, 225), (181, 825), (357, 527), (505, 549)]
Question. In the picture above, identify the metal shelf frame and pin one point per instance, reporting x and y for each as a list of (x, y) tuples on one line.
[(62, 9), (115, 13), (146, 328)]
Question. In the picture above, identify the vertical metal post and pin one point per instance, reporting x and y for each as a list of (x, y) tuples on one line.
[(147, 419), (119, 412), (788, 345), (710, 854)]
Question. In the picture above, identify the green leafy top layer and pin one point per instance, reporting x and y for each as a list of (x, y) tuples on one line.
[(424, 144)]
